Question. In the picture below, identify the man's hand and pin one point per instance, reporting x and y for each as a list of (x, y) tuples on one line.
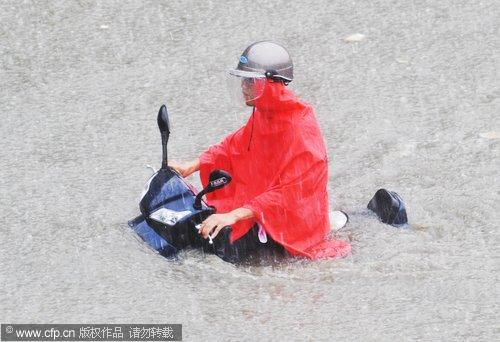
[(214, 223), (185, 169)]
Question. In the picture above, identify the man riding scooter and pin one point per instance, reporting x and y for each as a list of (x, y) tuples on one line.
[(278, 198)]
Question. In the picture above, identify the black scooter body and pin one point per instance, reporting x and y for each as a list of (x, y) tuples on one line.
[(169, 191)]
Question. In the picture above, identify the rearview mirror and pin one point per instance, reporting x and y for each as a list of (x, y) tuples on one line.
[(217, 180)]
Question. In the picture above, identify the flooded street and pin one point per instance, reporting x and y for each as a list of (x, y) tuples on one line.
[(407, 95)]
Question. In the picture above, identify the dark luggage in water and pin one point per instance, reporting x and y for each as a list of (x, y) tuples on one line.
[(389, 207)]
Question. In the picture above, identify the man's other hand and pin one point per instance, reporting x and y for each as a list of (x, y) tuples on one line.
[(185, 169)]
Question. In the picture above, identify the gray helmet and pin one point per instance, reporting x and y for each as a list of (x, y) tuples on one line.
[(265, 59)]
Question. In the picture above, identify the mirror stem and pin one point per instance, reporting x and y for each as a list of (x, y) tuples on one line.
[(164, 142), (197, 201)]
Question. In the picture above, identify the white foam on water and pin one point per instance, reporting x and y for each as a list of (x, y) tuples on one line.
[(355, 38), (490, 135)]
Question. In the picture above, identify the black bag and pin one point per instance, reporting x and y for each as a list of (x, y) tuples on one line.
[(389, 207)]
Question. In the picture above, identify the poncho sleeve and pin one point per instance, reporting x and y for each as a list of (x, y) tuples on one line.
[(218, 156), (214, 155)]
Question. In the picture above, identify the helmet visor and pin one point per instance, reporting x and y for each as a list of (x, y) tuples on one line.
[(245, 89)]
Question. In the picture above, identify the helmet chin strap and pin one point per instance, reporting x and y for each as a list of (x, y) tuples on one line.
[(271, 73), (274, 76)]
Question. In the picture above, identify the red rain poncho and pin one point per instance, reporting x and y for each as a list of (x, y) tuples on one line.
[(279, 167)]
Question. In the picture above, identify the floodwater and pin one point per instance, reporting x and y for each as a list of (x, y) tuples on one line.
[(413, 107)]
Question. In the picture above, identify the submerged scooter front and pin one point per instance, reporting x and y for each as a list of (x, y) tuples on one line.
[(171, 212)]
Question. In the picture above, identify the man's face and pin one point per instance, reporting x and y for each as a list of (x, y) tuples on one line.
[(247, 85), (252, 89)]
